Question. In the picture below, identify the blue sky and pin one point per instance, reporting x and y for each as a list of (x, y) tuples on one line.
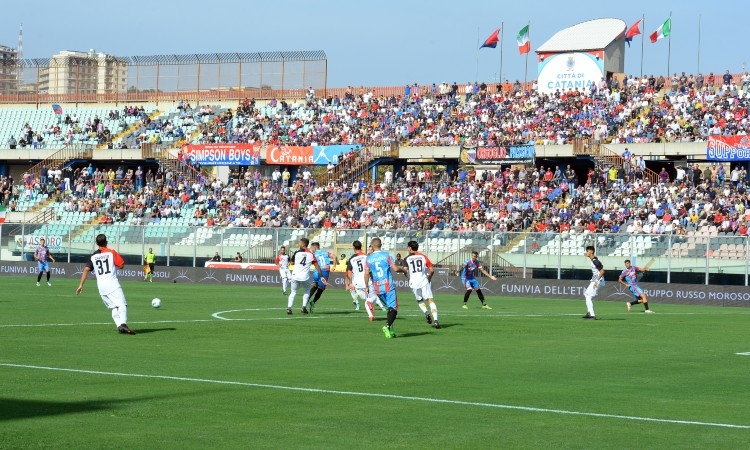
[(381, 43)]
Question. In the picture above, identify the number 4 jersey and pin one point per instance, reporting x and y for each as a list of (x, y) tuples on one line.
[(418, 265), (103, 263), (303, 261)]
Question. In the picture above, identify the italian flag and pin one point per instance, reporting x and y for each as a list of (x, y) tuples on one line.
[(663, 31), (2, 214), (524, 45)]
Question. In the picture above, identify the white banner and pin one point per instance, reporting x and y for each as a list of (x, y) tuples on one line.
[(32, 241)]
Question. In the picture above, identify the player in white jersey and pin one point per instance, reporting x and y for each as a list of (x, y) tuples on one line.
[(420, 272), (597, 281), (282, 259), (104, 263), (355, 281), (303, 259)]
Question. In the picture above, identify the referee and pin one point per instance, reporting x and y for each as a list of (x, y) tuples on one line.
[(149, 258)]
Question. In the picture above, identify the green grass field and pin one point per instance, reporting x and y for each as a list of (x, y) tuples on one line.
[(527, 374)]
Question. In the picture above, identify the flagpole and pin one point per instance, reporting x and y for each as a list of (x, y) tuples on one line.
[(699, 43), (526, 70), (502, 33), (643, 38), (476, 75), (669, 47)]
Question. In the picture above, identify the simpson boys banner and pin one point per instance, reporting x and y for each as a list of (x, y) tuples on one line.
[(728, 148), (223, 154), (495, 156)]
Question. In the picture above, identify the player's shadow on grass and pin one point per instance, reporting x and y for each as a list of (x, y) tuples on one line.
[(152, 330), (16, 409), (330, 313), (406, 335)]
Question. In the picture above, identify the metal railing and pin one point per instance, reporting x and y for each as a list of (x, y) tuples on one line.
[(700, 257)]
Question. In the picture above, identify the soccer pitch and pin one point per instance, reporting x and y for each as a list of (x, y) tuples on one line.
[(225, 367)]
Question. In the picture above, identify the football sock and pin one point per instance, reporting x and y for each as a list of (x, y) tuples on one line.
[(305, 299), (369, 308), (290, 302), (433, 310), (120, 315), (634, 302), (422, 306), (645, 305), (590, 305), (466, 296), (392, 313), (480, 294), (313, 290), (283, 284), (48, 274), (317, 295), (123, 310), (380, 304), (39, 277), (355, 297)]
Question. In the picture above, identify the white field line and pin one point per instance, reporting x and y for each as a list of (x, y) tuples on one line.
[(218, 316), (386, 396)]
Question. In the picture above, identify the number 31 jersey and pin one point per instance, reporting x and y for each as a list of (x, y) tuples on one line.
[(418, 265), (103, 263)]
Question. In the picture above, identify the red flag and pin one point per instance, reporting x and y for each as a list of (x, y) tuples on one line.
[(492, 41), (633, 31)]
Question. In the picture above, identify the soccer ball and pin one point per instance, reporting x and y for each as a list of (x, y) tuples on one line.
[(156, 303)]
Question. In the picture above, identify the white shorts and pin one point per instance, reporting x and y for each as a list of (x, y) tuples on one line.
[(305, 285), (362, 295), (423, 292), (285, 273), (114, 299), (593, 289)]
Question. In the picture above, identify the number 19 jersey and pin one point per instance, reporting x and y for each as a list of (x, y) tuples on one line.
[(103, 263), (418, 265)]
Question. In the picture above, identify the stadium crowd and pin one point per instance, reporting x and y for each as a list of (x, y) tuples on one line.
[(628, 110), (542, 199)]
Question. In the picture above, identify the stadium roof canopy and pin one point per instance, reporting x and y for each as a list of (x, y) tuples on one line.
[(594, 34)]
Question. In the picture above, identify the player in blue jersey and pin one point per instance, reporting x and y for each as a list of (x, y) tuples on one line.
[(379, 268), (629, 278), (325, 260), (42, 256), (468, 273)]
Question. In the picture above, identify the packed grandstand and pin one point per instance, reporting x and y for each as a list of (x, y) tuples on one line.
[(687, 202)]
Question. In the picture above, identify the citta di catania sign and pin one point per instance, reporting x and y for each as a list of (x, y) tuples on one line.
[(569, 72)]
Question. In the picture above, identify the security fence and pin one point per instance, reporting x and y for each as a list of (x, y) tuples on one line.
[(699, 257), (72, 77)]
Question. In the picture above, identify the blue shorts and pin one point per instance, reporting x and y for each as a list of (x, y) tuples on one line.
[(43, 267), (318, 281), (636, 291), (470, 284), (390, 299)]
